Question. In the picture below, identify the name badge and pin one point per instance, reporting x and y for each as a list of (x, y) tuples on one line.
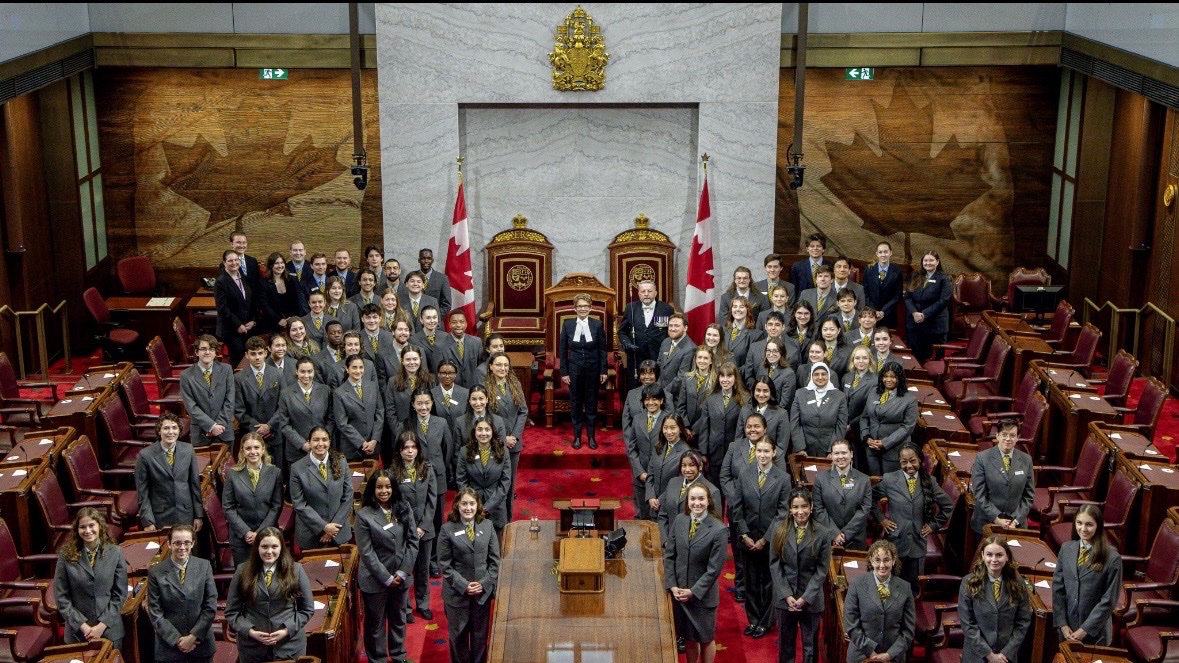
[(811, 402), (388, 525), (406, 481), (461, 533), (849, 485), (1018, 472), (930, 280)]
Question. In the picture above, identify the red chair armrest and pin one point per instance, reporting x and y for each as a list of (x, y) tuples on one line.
[(979, 380)]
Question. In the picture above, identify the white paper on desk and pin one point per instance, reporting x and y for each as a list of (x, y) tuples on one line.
[(11, 458), (1167, 470), (1077, 396), (811, 468), (954, 454), (45, 441), (329, 563), (108, 376), (1014, 544), (1151, 452), (319, 606), (912, 388), (19, 473), (1081, 384), (1094, 398), (87, 398), (1051, 565), (1115, 436), (1044, 584), (151, 545), (950, 416), (939, 401), (160, 301), (66, 400), (927, 413), (76, 660), (1051, 372), (1145, 467), (905, 357), (852, 564), (358, 474)]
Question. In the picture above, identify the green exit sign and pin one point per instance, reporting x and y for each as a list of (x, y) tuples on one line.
[(859, 74), (273, 74)]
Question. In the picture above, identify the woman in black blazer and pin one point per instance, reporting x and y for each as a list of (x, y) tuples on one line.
[(415, 480), (1086, 582), (927, 302), (388, 546), (279, 296), (90, 582), (251, 496), (182, 602), (800, 551), (269, 603), (693, 559), (234, 298), (468, 552)]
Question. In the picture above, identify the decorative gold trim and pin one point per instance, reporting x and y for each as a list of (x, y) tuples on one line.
[(579, 54), (1169, 196)]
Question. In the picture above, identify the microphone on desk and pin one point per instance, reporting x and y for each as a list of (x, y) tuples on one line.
[(1035, 567)]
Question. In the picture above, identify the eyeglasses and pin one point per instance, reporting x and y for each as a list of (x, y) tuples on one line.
[(182, 544)]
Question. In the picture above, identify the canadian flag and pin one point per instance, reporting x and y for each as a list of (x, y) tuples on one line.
[(700, 292), (458, 263)]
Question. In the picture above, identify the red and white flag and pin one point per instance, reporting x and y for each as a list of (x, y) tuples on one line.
[(458, 263), (700, 293)]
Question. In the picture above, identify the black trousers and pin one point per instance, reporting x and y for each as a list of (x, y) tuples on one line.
[(759, 589), (583, 397), (421, 574), (384, 624), (788, 625)]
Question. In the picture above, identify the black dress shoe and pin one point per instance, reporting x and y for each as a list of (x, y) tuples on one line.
[(680, 646), (409, 618), (593, 444), (577, 443), (749, 629), (426, 614), (759, 632), (739, 596)]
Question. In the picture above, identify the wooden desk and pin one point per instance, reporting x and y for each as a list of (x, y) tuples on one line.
[(1064, 378), (16, 499), (202, 313), (939, 425), (1127, 443), (803, 468), (1031, 554), (41, 445), (361, 471), (1024, 349), (1069, 419), (98, 651), (80, 412), (1007, 323), (953, 458), (210, 459), (844, 567), (102, 377), (1074, 653), (331, 631), (149, 321), (532, 621), (928, 397), (603, 515), (1160, 490)]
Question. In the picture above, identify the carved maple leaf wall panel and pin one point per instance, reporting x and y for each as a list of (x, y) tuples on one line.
[(946, 158), (196, 154)]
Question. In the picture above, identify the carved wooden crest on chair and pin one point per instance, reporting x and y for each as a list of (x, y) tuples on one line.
[(641, 254), (519, 269), (559, 308)]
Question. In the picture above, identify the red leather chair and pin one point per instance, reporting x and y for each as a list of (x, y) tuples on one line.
[(1082, 481), (220, 553), (989, 413), (138, 277), (1118, 379), (16, 408), (121, 446), (139, 406), (1062, 318), (963, 393), (117, 342), (1152, 636), (980, 336), (1031, 424), (185, 341), (58, 514), (1116, 511), (1080, 359), (22, 597), (1146, 414), (1024, 276), (167, 375), (971, 295), (90, 481), (936, 595), (1154, 576)]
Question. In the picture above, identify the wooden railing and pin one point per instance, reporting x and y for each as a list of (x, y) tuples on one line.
[(41, 350), (1147, 311)]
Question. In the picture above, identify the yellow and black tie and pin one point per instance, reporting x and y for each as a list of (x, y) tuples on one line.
[(733, 334), (388, 516), (884, 397), (182, 573), (865, 339), (856, 382), (700, 382), (912, 482), (372, 340), (471, 532), (880, 364), (1082, 557), (880, 275), (693, 527), (269, 577), (415, 308), (318, 323), (209, 378), (360, 392), (842, 480), (323, 471), (430, 339), (814, 272), (650, 422), (771, 371), (761, 480), (254, 474), (307, 396), (800, 533), (821, 302), (424, 426), (883, 590), (1006, 463), (171, 455), (749, 459), (93, 556), (411, 474), (459, 350), (259, 377), (847, 325), (485, 456), (829, 354), (725, 400), (997, 589), (683, 490)]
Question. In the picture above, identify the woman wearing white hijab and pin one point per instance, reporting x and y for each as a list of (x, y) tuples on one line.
[(818, 415)]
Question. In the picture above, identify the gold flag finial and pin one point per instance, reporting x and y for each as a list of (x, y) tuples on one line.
[(460, 159), (704, 157)]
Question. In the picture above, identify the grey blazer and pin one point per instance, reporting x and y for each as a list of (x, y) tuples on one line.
[(299, 417), (786, 383), (253, 406), (857, 398), (739, 347), (468, 365), (269, 613), (758, 302), (640, 443), (347, 314), (891, 423), (491, 482), (634, 408), (422, 497), (87, 595), (385, 356), (313, 333), (249, 509), (177, 610), (460, 430), (989, 626), (662, 469), (737, 461), (1084, 598), (438, 448), (997, 492), (458, 403), (875, 625), (208, 404), (403, 301), (385, 548), (318, 503), (671, 364), (844, 508), (777, 425), (514, 416), (287, 372), (168, 494), (861, 300), (689, 399), (696, 562), (753, 510), (756, 358), (671, 503), (908, 512), (801, 568), (763, 286), (718, 426), (357, 420), (814, 428), (433, 351), (464, 561), (811, 295)]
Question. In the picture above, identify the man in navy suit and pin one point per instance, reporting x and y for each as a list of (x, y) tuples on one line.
[(643, 328), (583, 366), (802, 272), (315, 279), (248, 264), (344, 271), (883, 284)]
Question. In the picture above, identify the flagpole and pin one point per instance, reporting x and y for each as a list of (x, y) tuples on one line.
[(460, 158)]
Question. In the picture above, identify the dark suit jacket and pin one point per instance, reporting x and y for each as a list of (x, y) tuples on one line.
[(875, 625), (884, 295), (992, 627), (275, 305), (87, 595), (385, 548), (469, 364), (287, 373), (801, 568), (696, 562), (636, 336), (755, 509), (583, 357), (233, 309), (317, 334), (718, 426), (1084, 598), (348, 276), (422, 497), (168, 494), (844, 508), (253, 273), (347, 314), (892, 423), (357, 420), (269, 613), (457, 408), (830, 304), (933, 300), (758, 302), (177, 610), (800, 274), (464, 561)]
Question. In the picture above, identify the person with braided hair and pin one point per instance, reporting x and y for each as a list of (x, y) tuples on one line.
[(386, 537), (994, 605), (270, 601), (917, 507), (800, 551)]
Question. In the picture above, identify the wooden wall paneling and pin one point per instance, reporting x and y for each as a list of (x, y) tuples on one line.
[(1092, 188), (1165, 285)]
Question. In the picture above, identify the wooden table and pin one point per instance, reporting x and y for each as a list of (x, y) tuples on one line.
[(331, 633), (80, 412), (1160, 490), (149, 320), (1029, 551), (1007, 323), (1064, 378), (804, 468), (1127, 443), (953, 458), (100, 378), (1068, 421), (1074, 653), (532, 621), (202, 313), (928, 396), (843, 567), (939, 425), (16, 499), (99, 651), (41, 445), (1024, 349)]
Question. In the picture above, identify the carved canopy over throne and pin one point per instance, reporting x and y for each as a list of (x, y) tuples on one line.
[(519, 269), (559, 304), (641, 254)]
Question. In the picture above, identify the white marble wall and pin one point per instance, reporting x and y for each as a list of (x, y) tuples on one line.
[(682, 79)]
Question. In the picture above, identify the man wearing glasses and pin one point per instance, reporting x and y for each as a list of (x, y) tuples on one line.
[(583, 367)]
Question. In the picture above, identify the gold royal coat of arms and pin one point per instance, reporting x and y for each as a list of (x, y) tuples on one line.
[(579, 55)]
